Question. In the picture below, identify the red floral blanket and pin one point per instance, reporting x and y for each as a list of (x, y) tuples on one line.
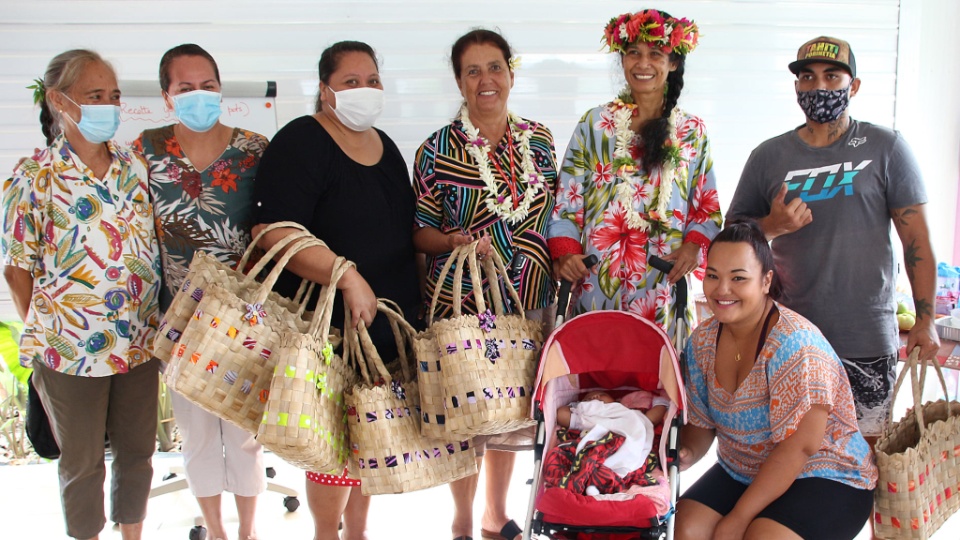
[(564, 467)]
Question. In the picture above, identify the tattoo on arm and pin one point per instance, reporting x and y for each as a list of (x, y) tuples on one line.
[(903, 217), (911, 257), (923, 308)]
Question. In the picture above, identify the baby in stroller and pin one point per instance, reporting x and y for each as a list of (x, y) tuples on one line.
[(604, 445)]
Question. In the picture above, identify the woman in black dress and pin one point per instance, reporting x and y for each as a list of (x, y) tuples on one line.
[(344, 180)]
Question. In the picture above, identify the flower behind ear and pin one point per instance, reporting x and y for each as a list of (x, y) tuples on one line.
[(39, 91)]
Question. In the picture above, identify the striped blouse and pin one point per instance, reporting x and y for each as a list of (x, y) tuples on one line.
[(451, 197)]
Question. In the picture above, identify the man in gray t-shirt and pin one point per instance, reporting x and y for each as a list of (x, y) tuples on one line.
[(826, 193)]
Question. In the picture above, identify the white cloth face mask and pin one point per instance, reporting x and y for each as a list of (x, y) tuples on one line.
[(359, 108)]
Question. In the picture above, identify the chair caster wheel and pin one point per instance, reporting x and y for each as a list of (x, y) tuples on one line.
[(198, 533), (291, 504), (271, 472)]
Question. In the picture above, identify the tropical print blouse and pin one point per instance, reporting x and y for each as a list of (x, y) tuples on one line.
[(209, 210), (91, 248), (796, 370), (451, 198), (589, 219)]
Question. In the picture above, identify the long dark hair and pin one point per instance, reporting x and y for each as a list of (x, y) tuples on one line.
[(330, 61), (187, 49), (655, 132), (62, 73), (748, 231)]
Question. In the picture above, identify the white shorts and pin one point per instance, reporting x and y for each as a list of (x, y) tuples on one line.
[(217, 455)]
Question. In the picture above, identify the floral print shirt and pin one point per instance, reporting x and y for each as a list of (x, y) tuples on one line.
[(209, 210), (91, 248), (796, 370), (588, 217)]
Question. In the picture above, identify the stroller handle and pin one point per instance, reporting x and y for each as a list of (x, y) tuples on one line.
[(563, 297), (681, 285)]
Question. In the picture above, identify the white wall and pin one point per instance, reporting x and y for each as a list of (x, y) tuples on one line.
[(928, 109), (736, 80)]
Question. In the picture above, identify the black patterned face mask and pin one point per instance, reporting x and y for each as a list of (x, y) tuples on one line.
[(823, 106)]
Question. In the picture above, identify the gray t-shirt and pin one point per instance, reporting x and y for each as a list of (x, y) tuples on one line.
[(838, 271)]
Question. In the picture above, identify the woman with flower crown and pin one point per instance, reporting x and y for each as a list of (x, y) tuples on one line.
[(637, 179), (488, 174)]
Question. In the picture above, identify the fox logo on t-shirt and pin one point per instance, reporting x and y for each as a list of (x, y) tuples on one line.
[(820, 183)]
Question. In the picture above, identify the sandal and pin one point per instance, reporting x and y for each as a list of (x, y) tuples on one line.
[(509, 531)]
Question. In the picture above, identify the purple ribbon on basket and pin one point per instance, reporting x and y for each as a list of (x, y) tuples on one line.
[(255, 314), (491, 350), (398, 390), (487, 319)]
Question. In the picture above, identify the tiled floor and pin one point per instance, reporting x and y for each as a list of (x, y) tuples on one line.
[(31, 507)]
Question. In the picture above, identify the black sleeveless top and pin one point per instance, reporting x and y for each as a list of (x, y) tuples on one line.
[(364, 213)]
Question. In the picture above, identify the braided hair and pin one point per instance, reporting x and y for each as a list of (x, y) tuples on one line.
[(62, 73), (655, 132)]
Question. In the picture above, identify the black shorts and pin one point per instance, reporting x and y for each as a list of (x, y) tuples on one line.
[(813, 508)]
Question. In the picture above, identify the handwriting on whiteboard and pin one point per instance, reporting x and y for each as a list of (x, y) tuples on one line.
[(162, 115), (238, 108)]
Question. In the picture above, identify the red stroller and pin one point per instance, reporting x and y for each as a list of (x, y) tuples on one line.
[(619, 352)]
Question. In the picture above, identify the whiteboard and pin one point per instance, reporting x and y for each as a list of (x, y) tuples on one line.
[(249, 105)]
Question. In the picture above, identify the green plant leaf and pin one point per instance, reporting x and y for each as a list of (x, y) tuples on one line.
[(10, 350)]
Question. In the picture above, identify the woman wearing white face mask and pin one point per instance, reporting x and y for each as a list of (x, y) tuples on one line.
[(83, 270), (201, 182), (348, 184)]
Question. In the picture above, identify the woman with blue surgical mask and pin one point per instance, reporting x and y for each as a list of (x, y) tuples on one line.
[(81, 262), (201, 182)]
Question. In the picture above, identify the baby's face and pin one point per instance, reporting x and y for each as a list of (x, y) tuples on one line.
[(598, 395)]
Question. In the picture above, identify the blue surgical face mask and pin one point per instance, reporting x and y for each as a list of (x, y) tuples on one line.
[(98, 123), (198, 110)]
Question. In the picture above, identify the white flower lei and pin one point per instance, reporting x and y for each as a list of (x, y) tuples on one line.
[(479, 149), (672, 170)]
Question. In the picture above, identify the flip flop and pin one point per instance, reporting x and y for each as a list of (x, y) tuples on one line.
[(509, 531)]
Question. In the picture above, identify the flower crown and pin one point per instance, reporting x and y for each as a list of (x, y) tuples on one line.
[(655, 29)]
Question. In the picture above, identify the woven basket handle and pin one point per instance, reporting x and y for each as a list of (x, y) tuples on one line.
[(306, 286), (476, 279), (323, 316), (299, 245), (273, 252), (303, 295), (256, 240), (404, 333), (351, 346), (458, 255), (496, 273), (917, 383)]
